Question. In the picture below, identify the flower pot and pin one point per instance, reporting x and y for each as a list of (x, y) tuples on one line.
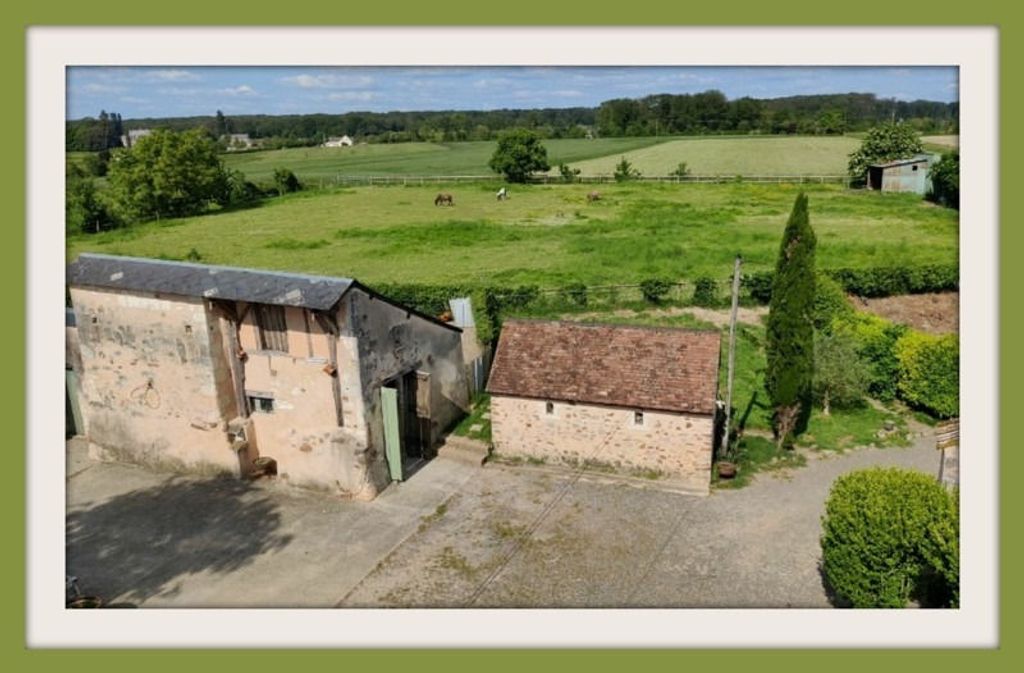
[(263, 466), (727, 470), (85, 602)]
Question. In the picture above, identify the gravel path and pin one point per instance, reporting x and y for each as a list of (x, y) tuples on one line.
[(516, 538)]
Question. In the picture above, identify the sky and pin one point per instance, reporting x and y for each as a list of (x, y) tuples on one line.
[(136, 92)]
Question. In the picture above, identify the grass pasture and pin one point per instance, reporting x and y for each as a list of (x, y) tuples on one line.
[(313, 164), (744, 155), (548, 235)]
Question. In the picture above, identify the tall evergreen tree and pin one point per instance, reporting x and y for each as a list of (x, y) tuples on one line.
[(789, 344)]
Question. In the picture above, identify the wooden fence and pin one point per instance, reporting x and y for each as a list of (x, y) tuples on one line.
[(420, 180)]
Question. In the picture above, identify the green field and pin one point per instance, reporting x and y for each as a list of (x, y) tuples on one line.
[(751, 155), (312, 164), (547, 235)]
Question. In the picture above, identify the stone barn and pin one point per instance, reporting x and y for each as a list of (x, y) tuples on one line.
[(638, 400), (902, 175), (205, 369)]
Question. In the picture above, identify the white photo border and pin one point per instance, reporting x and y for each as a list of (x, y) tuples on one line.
[(974, 50)]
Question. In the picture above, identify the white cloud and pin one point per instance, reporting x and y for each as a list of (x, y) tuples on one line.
[(330, 81), (172, 75), (93, 87), (567, 93), (352, 96), (241, 90)]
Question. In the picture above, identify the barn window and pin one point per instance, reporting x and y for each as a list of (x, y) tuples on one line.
[(914, 168), (638, 418), (273, 332), (549, 408)]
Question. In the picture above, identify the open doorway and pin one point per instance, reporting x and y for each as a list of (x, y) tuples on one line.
[(408, 437)]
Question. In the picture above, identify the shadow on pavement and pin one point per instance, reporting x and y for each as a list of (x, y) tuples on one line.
[(143, 543)]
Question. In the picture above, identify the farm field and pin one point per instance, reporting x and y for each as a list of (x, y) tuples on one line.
[(547, 235), (312, 164), (945, 142), (751, 155)]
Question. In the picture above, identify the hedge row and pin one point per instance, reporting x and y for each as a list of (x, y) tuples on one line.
[(881, 281)]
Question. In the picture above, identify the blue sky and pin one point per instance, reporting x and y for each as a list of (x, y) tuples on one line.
[(186, 91)]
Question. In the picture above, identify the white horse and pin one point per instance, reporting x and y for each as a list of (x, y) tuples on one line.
[(502, 194)]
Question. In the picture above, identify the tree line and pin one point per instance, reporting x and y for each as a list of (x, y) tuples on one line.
[(709, 112)]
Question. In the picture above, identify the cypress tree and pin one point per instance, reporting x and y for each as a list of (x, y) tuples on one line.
[(789, 338)]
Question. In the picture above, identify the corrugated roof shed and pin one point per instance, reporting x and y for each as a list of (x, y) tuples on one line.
[(201, 280), (666, 369)]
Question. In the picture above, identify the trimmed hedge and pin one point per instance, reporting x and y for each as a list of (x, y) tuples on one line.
[(889, 535), (882, 281), (655, 289), (830, 303), (705, 292), (929, 372)]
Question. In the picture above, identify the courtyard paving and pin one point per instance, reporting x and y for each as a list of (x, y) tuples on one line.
[(456, 536)]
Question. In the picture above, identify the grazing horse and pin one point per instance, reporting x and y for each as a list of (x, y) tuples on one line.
[(593, 196), (444, 199), (502, 194)]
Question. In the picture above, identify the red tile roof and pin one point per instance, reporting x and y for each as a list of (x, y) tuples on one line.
[(657, 368)]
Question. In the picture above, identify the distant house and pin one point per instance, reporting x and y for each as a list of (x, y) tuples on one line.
[(239, 141), (204, 369), (902, 175), (343, 141), (636, 399), (133, 135)]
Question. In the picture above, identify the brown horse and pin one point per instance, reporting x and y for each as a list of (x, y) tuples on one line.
[(593, 196), (444, 199)]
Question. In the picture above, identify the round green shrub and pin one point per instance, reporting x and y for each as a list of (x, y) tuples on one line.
[(876, 345), (705, 292), (929, 372), (889, 535), (655, 289)]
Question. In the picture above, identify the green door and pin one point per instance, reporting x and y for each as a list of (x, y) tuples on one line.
[(392, 444)]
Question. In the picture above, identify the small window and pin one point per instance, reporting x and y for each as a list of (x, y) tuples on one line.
[(273, 332), (638, 418), (262, 405), (549, 408)]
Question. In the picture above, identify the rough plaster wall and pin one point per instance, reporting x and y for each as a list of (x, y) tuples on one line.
[(131, 340), (676, 445), (391, 342), (302, 432)]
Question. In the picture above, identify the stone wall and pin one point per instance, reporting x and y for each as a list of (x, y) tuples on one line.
[(676, 446), (150, 392)]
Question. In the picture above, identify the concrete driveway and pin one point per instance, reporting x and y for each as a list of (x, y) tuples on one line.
[(455, 535)]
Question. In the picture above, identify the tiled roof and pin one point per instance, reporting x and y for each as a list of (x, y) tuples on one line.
[(213, 282), (654, 368)]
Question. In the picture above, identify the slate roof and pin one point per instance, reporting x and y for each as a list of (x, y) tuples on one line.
[(201, 280), (663, 369)]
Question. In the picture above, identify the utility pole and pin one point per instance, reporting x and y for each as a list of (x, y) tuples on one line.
[(726, 448)]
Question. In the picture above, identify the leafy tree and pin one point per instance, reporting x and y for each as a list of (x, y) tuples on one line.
[(84, 211), (519, 153), (624, 171), (789, 344), (840, 378), (886, 142), (167, 174), (945, 177)]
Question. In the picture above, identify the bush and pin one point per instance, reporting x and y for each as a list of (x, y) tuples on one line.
[(887, 281), (568, 174), (705, 292), (655, 289), (285, 181), (830, 303), (758, 285), (576, 294), (945, 177), (887, 535), (876, 346), (680, 171), (624, 171), (519, 154), (929, 372), (882, 143)]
